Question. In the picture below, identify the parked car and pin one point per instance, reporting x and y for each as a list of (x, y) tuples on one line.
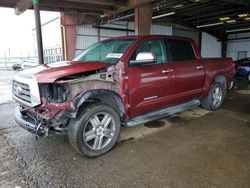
[(243, 68), (118, 82), (24, 64), (17, 66)]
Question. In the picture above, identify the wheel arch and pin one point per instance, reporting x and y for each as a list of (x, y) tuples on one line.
[(220, 78), (107, 97)]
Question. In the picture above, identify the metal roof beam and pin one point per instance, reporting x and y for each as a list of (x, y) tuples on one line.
[(178, 20), (65, 4), (215, 14), (233, 15), (102, 2), (22, 6), (239, 2), (232, 26)]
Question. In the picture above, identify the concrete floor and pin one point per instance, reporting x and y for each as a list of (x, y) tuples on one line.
[(195, 148), (6, 85)]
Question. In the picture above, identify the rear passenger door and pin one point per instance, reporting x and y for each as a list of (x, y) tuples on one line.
[(188, 71)]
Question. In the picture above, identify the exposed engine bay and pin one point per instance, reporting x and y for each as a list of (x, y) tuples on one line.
[(59, 100)]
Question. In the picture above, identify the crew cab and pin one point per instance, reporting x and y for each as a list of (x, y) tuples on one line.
[(122, 81)]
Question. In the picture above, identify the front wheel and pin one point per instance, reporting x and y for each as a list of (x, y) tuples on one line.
[(215, 97), (95, 131)]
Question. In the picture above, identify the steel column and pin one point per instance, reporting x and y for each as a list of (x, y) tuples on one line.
[(143, 19), (69, 25), (223, 48), (38, 31)]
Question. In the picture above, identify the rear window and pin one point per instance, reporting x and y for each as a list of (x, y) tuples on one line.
[(181, 50)]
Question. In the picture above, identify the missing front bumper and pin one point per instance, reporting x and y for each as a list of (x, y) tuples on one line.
[(29, 123)]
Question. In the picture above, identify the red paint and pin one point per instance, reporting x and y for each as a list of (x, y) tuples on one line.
[(51, 72), (185, 83)]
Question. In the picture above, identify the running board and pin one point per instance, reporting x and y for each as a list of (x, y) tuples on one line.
[(162, 113)]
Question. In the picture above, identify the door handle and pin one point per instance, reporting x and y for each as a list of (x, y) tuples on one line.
[(167, 71), (200, 67)]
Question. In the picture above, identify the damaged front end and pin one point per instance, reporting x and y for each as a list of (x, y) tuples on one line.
[(61, 100)]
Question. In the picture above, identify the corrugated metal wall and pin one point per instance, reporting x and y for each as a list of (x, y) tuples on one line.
[(87, 35), (240, 45), (187, 33), (210, 47)]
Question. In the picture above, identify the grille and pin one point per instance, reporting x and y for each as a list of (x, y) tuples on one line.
[(22, 92)]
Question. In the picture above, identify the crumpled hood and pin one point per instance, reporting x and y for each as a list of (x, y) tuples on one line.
[(51, 72)]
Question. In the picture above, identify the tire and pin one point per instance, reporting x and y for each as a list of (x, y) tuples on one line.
[(215, 97), (95, 130)]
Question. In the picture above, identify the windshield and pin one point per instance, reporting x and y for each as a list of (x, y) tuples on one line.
[(109, 51)]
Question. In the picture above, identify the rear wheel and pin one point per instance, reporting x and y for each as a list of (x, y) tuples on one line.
[(215, 97), (95, 131)]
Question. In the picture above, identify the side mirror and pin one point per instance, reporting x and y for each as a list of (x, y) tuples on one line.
[(143, 58)]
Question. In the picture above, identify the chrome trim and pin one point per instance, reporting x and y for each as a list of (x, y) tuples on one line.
[(162, 113), (34, 90), (26, 123)]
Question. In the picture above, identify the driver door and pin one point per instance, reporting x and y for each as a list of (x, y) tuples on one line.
[(149, 84)]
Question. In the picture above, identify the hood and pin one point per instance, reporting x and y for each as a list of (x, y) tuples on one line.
[(51, 72)]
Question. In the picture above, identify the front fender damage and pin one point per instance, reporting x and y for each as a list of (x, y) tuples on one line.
[(55, 116)]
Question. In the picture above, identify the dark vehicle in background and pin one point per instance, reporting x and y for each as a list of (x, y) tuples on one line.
[(242, 68), (17, 66)]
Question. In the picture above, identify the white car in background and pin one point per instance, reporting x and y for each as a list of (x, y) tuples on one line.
[(24, 64)]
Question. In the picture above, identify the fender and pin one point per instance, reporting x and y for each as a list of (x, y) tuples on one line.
[(219, 77), (111, 98)]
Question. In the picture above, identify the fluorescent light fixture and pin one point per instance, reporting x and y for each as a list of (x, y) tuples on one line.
[(163, 15), (209, 25), (230, 21), (224, 18), (238, 30), (196, 1), (122, 17), (177, 6), (247, 19), (243, 15)]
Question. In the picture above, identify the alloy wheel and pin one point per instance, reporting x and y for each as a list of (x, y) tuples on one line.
[(99, 130), (217, 96)]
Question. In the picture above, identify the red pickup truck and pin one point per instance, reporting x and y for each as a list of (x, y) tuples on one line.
[(122, 81)]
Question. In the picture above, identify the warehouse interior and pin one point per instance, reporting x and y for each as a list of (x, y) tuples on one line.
[(198, 148), (221, 23)]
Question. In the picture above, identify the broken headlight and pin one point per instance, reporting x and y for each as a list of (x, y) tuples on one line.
[(55, 92)]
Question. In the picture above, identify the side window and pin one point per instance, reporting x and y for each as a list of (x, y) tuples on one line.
[(181, 50), (156, 47)]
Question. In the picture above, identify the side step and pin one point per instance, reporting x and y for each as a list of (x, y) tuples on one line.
[(162, 113)]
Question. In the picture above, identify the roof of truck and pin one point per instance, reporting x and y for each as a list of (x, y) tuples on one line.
[(152, 36)]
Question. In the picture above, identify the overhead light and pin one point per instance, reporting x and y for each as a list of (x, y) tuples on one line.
[(243, 15), (224, 18), (230, 21), (163, 15), (247, 19), (238, 30), (196, 1), (177, 6), (122, 17), (209, 25)]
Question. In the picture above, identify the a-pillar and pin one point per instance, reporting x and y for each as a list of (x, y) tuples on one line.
[(69, 24), (143, 19), (38, 31)]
